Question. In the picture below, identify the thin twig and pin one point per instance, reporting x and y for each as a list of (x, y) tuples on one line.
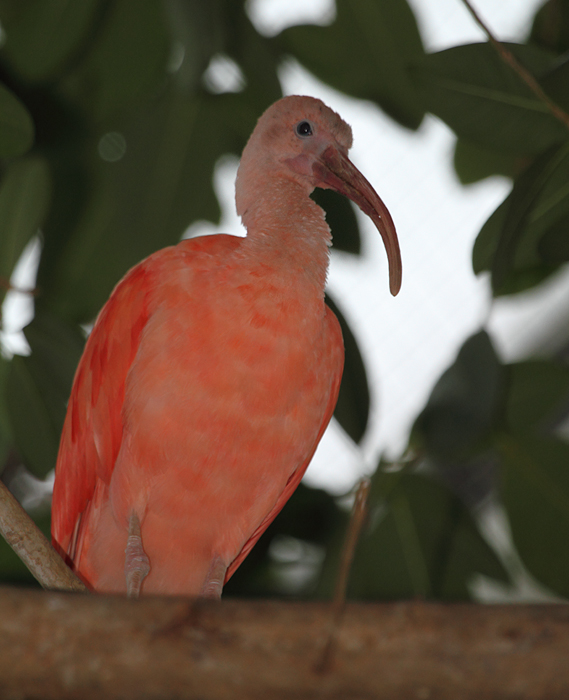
[(508, 57), (30, 544), (357, 520)]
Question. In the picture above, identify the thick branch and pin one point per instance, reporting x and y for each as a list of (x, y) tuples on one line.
[(508, 57), (30, 544), (55, 645)]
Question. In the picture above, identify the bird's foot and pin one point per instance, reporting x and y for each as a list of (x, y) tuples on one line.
[(136, 563), (213, 584)]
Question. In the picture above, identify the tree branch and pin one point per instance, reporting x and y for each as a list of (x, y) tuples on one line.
[(30, 544), (508, 57), (56, 645)]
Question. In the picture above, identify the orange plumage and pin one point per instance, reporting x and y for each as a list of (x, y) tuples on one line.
[(211, 375)]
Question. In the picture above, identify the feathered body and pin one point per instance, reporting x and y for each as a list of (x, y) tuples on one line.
[(206, 383)]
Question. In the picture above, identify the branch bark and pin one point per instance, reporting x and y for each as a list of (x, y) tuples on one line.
[(55, 645), (30, 544)]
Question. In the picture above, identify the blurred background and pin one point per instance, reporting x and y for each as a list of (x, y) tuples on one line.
[(123, 130)]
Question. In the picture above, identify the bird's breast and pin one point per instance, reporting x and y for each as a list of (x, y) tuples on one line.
[(233, 368)]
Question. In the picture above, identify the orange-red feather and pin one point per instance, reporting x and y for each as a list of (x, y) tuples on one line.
[(92, 432)]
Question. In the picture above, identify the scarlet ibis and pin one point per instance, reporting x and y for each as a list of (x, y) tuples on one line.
[(211, 374)]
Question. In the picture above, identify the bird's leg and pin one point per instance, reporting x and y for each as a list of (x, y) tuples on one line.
[(215, 578), (136, 563)]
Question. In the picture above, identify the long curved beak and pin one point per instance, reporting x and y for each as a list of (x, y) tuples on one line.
[(335, 171)]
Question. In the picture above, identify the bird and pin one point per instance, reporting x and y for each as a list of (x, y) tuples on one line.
[(211, 374)]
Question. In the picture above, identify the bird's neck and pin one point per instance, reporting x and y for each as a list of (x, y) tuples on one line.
[(286, 228)]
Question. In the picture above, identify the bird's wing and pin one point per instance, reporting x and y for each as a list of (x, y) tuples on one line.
[(93, 428), (92, 432), (337, 346)]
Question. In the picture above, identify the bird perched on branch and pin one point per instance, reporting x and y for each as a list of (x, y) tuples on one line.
[(211, 374)]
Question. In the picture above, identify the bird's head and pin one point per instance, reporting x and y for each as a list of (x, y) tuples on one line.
[(302, 139)]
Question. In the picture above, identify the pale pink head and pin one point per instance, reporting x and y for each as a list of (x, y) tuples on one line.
[(310, 143)]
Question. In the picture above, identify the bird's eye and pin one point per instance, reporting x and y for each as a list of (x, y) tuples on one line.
[(303, 129)]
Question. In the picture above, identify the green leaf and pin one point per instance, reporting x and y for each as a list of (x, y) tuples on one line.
[(463, 405), (539, 198), (198, 28), (38, 388), (5, 425), (422, 542), (365, 53), (16, 125), (508, 243), (487, 240), (42, 35), (256, 56), (553, 247), (550, 28), (143, 201), (484, 252), (473, 162), (126, 63), (352, 409), (341, 219), (537, 394), (56, 349), (535, 492), (35, 434), (556, 83), (484, 101), (24, 200)]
